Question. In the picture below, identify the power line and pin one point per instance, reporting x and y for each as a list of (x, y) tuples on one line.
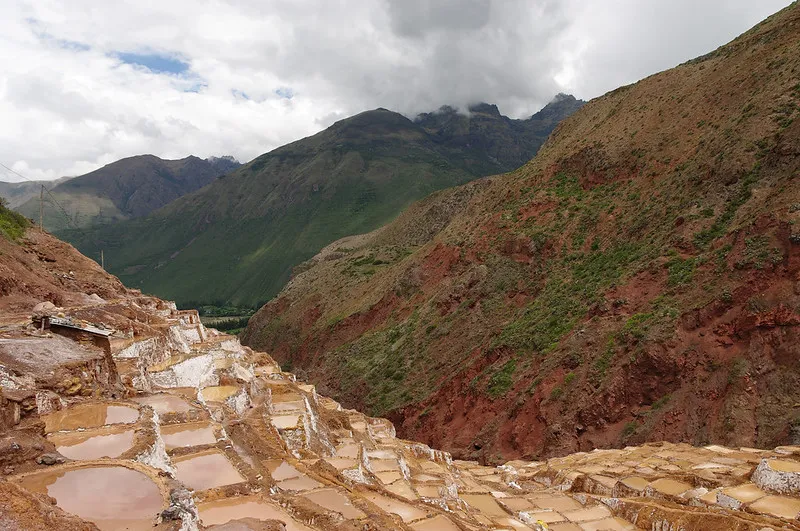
[(16, 173), (52, 197), (61, 208)]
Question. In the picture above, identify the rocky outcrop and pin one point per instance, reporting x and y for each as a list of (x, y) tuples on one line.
[(781, 476)]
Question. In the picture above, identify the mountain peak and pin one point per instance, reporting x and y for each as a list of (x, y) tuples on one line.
[(485, 108), (226, 158), (224, 163), (561, 105), (376, 121), (562, 97)]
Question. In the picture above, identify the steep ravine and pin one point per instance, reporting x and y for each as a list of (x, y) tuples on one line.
[(638, 280)]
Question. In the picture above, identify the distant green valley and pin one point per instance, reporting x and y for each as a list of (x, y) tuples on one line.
[(236, 240)]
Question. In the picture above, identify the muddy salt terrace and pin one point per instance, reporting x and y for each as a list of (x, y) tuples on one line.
[(164, 424)]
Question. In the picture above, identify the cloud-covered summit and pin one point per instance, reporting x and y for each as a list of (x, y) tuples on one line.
[(85, 83)]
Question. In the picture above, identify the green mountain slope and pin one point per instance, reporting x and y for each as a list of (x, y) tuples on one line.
[(128, 188), (237, 240), (638, 280)]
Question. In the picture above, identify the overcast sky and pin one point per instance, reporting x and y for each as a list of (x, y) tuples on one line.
[(87, 82)]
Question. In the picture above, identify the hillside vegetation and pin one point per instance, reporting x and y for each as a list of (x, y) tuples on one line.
[(128, 188), (12, 224), (638, 280), (236, 241)]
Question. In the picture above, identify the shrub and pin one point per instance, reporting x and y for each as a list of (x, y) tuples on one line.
[(680, 271), (12, 224), (502, 380), (661, 402), (720, 225), (738, 369), (629, 429), (602, 363), (758, 252), (637, 324), (228, 325)]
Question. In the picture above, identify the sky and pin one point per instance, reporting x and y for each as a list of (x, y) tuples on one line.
[(86, 82)]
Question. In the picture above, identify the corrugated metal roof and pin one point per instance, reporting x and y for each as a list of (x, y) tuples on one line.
[(86, 327)]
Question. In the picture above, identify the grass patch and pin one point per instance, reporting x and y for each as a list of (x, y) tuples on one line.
[(758, 252), (680, 271), (576, 282), (637, 325), (603, 363), (660, 403), (558, 391), (502, 380), (12, 224), (567, 186), (720, 225), (629, 429)]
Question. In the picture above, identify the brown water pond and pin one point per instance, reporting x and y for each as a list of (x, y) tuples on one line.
[(438, 523), (163, 403), (407, 512), (283, 422), (222, 511), (130, 500), (301, 483), (89, 415), (335, 501), (206, 470), (92, 444), (188, 434)]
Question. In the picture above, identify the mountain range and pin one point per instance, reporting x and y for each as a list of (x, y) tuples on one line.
[(16, 194), (128, 188), (638, 280), (236, 240)]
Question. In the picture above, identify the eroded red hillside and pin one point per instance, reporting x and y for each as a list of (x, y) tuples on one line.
[(38, 267), (638, 280)]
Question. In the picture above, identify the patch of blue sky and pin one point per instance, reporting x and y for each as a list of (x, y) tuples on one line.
[(172, 65), (240, 94), (155, 62), (195, 86), (74, 46), (285, 92)]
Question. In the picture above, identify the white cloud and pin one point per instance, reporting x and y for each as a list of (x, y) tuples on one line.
[(263, 73)]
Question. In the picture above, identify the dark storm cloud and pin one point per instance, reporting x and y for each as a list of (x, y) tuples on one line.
[(416, 18)]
